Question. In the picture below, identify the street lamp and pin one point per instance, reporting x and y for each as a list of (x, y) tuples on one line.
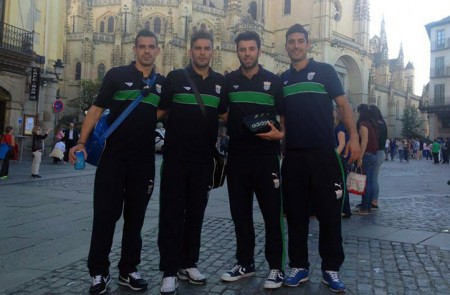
[(58, 66)]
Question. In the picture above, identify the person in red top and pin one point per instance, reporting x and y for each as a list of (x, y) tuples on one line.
[(8, 138)]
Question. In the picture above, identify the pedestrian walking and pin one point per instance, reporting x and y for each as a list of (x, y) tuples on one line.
[(37, 148), (70, 139), (126, 170), (311, 171), (188, 155), (368, 134), (382, 132), (341, 138), (435, 149), (9, 139), (254, 160)]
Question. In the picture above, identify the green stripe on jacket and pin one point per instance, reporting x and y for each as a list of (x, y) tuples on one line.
[(251, 97), (152, 98), (304, 87), (187, 98)]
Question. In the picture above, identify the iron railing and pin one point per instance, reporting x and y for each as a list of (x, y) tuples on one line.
[(16, 39)]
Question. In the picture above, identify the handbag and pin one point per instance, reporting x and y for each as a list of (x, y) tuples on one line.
[(96, 142), (4, 150), (220, 161), (259, 123), (356, 182)]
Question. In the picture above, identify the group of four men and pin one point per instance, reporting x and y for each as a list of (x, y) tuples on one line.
[(302, 99)]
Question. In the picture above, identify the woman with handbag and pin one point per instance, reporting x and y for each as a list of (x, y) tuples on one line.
[(368, 134), (37, 149), (7, 138)]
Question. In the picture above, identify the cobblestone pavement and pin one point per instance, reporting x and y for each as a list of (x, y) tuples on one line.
[(404, 248)]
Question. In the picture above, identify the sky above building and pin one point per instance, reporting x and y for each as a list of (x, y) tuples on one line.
[(405, 22)]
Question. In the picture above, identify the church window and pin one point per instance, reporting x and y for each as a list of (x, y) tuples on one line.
[(102, 27), (287, 7), (147, 25), (111, 24), (203, 27), (100, 71), (397, 110), (336, 10), (78, 71), (157, 26), (253, 9)]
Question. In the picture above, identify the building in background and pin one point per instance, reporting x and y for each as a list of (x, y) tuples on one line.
[(391, 83), (92, 36), (100, 35), (437, 103), (31, 43)]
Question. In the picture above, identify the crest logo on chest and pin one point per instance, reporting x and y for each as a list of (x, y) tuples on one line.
[(266, 85), (310, 76), (218, 87), (158, 88), (187, 88), (129, 84)]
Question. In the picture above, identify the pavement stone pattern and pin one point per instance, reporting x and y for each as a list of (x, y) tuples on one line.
[(387, 252)]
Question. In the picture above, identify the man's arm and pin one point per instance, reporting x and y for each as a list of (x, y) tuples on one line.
[(274, 133), (347, 118), (91, 119)]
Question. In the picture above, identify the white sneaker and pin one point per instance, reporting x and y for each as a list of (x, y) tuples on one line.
[(169, 286), (193, 275)]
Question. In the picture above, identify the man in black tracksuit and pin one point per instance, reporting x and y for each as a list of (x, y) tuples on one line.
[(311, 171), (126, 170), (253, 161), (188, 162)]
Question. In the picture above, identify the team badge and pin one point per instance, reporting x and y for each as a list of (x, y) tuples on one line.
[(158, 88), (235, 86), (310, 76), (129, 84), (218, 87), (187, 88), (267, 85), (285, 82)]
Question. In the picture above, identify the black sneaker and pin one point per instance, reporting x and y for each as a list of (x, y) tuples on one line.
[(274, 280), (238, 272), (99, 284), (133, 280)]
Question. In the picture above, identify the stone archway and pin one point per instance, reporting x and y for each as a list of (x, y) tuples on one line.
[(5, 97), (351, 77)]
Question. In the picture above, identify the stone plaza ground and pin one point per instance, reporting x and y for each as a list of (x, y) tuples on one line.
[(404, 248)]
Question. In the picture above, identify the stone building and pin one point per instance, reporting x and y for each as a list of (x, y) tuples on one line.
[(437, 104), (31, 43), (92, 36), (100, 35), (391, 83)]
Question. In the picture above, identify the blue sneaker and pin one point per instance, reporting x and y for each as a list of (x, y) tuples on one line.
[(297, 276), (331, 278)]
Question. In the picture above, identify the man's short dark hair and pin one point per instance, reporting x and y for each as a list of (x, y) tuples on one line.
[(248, 36), (145, 33), (297, 28), (201, 34)]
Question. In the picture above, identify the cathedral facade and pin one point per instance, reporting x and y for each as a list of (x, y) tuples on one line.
[(99, 34)]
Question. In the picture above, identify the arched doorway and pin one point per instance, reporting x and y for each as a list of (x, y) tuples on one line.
[(351, 78), (4, 98)]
